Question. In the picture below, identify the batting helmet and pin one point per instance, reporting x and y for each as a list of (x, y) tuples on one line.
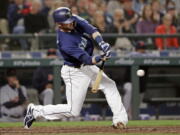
[(63, 15)]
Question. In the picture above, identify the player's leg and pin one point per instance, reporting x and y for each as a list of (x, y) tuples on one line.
[(76, 88), (112, 95)]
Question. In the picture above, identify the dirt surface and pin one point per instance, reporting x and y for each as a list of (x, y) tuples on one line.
[(90, 129)]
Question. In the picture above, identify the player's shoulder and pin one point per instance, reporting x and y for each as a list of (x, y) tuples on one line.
[(78, 18)]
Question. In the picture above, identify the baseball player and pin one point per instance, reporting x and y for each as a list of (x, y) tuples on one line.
[(74, 40)]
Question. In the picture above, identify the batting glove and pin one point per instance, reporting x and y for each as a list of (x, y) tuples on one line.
[(104, 46), (108, 54), (97, 59)]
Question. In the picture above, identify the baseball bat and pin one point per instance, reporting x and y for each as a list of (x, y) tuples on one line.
[(98, 79)]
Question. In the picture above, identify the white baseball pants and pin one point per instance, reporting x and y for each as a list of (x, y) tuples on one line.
[(77, 81)]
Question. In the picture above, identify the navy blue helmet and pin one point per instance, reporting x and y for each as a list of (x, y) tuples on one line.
[(63, 15)]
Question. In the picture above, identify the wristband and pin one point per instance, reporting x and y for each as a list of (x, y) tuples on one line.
[(99, 39)]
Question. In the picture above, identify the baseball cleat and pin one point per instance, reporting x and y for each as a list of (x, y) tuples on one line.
[(119, 125), (29, 118)]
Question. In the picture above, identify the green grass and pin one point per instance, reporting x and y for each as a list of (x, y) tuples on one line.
[(96, 123)]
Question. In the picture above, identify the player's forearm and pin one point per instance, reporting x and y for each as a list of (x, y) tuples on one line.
[(105, 47), (97, 37)]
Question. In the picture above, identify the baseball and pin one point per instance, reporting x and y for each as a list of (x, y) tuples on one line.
[(140, 72)]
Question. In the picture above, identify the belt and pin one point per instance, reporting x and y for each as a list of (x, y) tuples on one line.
[(12, 116), (75, 66)]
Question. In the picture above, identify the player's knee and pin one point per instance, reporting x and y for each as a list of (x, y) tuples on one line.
[(112, 83)]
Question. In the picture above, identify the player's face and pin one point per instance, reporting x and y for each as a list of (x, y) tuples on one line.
[(66, 27)]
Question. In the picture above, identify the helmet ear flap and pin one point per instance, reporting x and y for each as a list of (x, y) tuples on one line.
[(68, 14)]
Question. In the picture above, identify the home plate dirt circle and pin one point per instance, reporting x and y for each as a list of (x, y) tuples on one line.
[(90, 129)]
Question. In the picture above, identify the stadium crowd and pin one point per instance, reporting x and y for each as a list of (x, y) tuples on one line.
[(109, 16)]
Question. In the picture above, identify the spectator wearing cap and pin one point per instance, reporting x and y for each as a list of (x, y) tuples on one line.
[(166, 28), (43, 81), (140, 50), (13, 98)]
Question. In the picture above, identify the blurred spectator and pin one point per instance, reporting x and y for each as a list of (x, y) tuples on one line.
[(35, 22), (99, 22), (112, 5), (102, 5), (82, 7), (47, 5), (122, 43), (177, 3), (156, 8), (55, 5), (171, 9), (4, 22), (43, 80), (3, 17), (71, 3), (147, 19), (130, 16), (138, 5), (166, 28), (13, 99), (16, 13), (92, 8), (74, 10)]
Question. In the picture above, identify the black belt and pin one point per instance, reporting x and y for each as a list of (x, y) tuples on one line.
[(74, 66), (12, 116)]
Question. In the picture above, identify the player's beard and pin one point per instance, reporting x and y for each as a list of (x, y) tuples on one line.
[(67, 27)]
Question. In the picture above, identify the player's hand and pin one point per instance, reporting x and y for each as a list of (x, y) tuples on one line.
[(104, 57), (104, 46), (108, 54)]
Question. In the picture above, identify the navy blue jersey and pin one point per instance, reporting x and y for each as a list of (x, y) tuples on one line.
[(76, 46)]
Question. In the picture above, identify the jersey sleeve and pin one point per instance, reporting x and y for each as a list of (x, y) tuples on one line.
[(84, 25), (76, 52)]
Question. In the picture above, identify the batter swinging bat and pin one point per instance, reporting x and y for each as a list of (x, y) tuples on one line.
[(98, 79)]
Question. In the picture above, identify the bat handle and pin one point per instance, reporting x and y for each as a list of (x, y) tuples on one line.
[(102, 65)]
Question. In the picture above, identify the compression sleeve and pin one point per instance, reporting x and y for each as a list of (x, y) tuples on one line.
[(84, 25)]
